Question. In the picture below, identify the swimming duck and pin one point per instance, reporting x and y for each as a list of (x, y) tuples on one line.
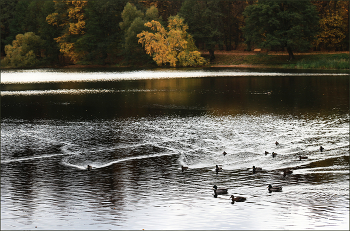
[(274, 188), (237, 199), (184, 168), (277, 143), (266, 153), (256, 169), (219, 191), (302, 157), (89, 167), (287, 171), (274, 154), (224, 153), (218, 169), (321, 149)]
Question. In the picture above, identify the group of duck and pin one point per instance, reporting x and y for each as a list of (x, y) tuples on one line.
[(221, 191), (275, 154)]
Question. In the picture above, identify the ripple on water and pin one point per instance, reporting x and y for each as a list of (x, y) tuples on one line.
[(137, 177)]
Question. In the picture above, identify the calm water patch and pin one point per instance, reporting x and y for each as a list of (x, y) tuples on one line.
[(137, 128)]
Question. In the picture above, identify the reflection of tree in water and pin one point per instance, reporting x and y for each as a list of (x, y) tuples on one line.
[(22, 187)]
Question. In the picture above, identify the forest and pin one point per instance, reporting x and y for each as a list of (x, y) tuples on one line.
[(37, 33)]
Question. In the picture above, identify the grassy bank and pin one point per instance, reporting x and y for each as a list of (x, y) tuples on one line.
[(325, 61), (301, 61), (338, 61)]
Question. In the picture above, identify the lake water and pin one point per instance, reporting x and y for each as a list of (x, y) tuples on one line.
[(137, 128)]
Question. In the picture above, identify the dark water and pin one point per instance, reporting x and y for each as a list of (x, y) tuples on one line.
[(137, 128)]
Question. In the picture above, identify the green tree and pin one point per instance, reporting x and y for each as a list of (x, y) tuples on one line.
[(134, 23), (13, 16), (286, 24), (129, 14), (233, 17), (166, 8), (7, 13), (25, 51), (38, 10), (102, 37), (205, 20), (19, 17), (173, 46)]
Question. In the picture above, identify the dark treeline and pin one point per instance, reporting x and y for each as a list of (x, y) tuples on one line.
[(104, 31)]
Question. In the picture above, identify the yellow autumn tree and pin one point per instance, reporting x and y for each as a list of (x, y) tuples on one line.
[(332, 31), (173, 46), (334, 24), (69, 15)]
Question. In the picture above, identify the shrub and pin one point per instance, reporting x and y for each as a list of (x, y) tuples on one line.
[(25, 51)]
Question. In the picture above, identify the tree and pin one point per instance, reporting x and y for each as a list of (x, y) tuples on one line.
[(37, 12), (69, 15), (134, 23), (101, 38), (174, 46), (334, 25), (205, 20), (234, 21), (166, 8), (13, 19), (7, 13), (287, 24), (21, 16), (332, 31), (25, 51)]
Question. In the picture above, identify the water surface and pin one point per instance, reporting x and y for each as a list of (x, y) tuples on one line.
[(137, 128)]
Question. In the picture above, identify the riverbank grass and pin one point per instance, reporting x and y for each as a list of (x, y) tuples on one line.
[(301, 61), (325, 61)]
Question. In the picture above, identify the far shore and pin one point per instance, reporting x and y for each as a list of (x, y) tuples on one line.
[(245, 59), (334, 60)]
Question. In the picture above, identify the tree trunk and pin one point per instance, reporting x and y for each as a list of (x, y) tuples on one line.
[(212, 56), (290, 52), (236, 42), (228, 44), (248, 46)]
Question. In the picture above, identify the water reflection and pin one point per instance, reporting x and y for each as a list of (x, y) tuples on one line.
[(219, 95), (81, 75), (138, 133)]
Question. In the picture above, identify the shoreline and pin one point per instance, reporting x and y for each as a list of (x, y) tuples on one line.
[(238, 59), (229, 59), (273, 67)]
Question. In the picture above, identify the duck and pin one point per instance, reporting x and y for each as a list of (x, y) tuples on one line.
[(218, 169), (277, 143), (287, 171), (224, 153), (219, 191), (183, 168), (89, 167), (237, 199), (274, 154), (266, 153), (256, 169), (274, 188), (302, 157), (321, 149)]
